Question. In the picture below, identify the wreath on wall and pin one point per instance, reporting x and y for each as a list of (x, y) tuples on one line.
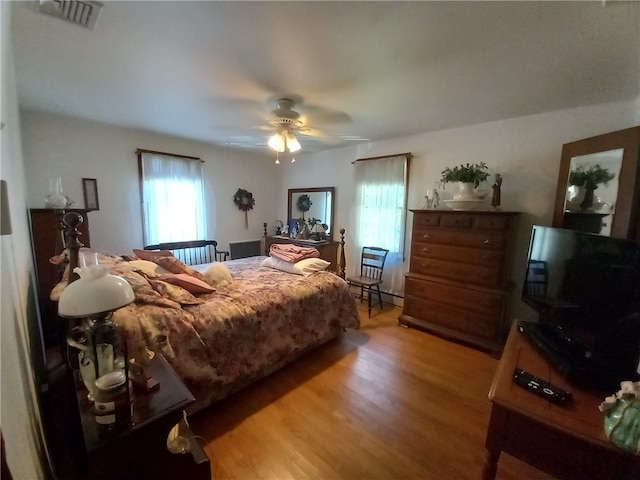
[(304, 203), (244, 201)]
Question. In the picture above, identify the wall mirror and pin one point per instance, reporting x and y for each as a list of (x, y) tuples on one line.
[(611, 209), (313, 202)]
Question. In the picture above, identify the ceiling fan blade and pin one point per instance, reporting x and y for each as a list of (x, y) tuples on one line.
[(321, 116), (312, 132)]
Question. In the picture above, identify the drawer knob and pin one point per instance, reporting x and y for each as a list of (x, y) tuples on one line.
[(486, 241), (427, 236), (425, 250), (426, 265)]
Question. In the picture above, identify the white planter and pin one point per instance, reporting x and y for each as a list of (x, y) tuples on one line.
[(466, 191)]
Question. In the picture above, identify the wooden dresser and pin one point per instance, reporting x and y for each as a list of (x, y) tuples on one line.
[(328, 248), (47, 230), (458, 277)]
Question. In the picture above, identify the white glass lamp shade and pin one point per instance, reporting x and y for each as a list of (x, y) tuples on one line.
[(317, 228), (292, 143), (95, 292), (277, 142)]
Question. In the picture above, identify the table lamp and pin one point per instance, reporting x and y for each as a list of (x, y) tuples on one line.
[(318, 231), (94, 297)]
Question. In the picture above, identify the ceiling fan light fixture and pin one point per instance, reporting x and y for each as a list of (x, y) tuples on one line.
[(292, 143), (277, 142)]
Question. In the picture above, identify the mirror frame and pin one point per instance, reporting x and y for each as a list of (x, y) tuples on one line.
[(293, 191), (625, 219)]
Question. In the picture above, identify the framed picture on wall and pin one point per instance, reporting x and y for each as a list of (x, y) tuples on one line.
[(90, 188)]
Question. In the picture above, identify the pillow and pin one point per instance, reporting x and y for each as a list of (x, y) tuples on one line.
[(189, 283), (304, 267), (175, 265), (133, 278), (151, 255), (174, 292), (218, 274), (150, 269), (150, 296)]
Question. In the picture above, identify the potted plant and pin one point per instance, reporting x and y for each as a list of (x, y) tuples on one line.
[(587, 180), (468, 178)]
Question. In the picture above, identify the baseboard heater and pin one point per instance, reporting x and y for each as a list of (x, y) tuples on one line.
[(247, 248)]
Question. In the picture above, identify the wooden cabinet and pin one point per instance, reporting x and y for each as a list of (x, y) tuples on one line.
[(47, 230), (566, 441), (459, 274), (328, 249), (140, 451)]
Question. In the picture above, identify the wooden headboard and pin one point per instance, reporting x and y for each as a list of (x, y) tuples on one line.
[(74, 219)]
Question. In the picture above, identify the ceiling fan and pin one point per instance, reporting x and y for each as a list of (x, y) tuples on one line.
[(286, 120), (288, 123)]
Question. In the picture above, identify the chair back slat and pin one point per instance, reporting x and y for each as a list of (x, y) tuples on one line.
[(372, 262)]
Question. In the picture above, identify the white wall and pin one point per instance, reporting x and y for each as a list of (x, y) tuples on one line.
[(526, 151), (76, 149), (20, 343)]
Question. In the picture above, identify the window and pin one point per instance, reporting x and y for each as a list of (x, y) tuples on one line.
[(380, 213), (172, 197)]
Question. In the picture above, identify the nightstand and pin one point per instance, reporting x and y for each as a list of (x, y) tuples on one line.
[(140, 451)]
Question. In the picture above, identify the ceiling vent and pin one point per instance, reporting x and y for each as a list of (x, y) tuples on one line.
[(81, 13)]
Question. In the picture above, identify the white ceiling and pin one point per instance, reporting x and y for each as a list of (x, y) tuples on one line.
[(360, 71)]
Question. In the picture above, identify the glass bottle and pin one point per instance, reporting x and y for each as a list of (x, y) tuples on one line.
[(56, 198)]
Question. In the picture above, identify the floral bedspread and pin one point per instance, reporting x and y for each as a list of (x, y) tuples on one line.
[(244, 330)]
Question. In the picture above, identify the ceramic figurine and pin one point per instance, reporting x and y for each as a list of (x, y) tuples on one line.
[(495, 200)]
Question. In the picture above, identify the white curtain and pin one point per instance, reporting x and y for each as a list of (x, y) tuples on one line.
[(380, 212), (173, 199)]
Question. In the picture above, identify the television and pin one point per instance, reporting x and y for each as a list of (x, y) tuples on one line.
[(585, 289)]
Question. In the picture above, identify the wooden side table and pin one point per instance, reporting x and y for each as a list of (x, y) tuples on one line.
[(140, 451), (567, 441)]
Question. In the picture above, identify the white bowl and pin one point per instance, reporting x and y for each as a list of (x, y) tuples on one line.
[(463, 204)]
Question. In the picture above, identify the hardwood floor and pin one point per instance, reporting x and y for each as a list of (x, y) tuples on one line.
[(383, 402)]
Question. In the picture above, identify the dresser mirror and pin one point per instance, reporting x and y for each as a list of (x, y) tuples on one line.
[(313, 203), (610, 209)]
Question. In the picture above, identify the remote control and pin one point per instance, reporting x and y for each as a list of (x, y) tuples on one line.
[(545, 389)]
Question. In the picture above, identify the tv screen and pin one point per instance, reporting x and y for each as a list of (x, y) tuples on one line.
[(586, 291)]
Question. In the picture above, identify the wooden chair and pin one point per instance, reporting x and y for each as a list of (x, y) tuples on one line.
[(371, 267), (537, 279), (194, 252)]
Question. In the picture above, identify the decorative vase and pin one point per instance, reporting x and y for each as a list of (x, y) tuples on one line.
[(584, 200), (466, 191), (56, 198), (622, 425)]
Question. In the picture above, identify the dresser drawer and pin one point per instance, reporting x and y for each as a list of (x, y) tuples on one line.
[(456, 221), (475, 300), (491, 222), (488, 240), (453, 317), (431, 219), (489, 258), (476, 221), (460, 272)]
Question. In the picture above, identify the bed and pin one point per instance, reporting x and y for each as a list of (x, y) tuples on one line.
[(222, 341)]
